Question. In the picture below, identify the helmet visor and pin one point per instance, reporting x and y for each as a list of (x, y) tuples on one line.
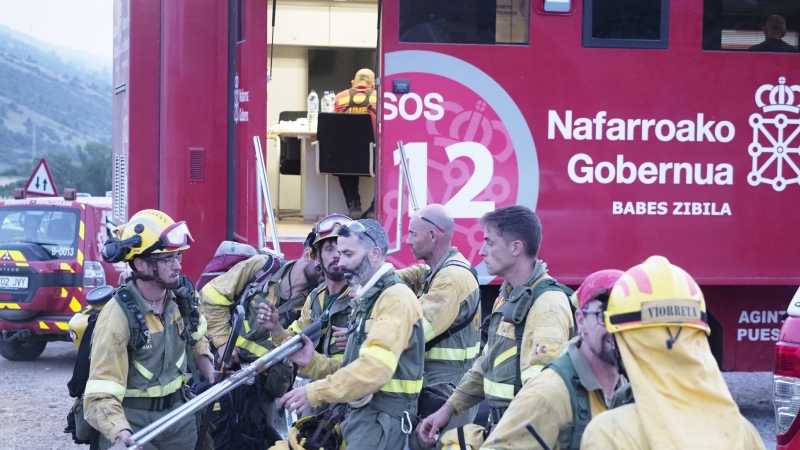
[(176, 236), (329, 226)]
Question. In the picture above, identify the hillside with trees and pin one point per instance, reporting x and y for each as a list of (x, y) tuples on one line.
[(54, 102)]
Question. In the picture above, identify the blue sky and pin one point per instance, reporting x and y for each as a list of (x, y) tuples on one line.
[(85, 25)]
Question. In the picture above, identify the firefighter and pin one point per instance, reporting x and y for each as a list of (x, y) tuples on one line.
[(381, 374), (553, 409), (331, 298), (657, 314), (361, 97), (138, 363), (287, 288), (449, 294), (530, 322)]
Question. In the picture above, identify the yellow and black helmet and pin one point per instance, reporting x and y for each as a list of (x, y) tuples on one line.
[(656, 294), (148, 232)]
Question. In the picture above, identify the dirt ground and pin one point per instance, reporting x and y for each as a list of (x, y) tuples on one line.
[(34, 401)]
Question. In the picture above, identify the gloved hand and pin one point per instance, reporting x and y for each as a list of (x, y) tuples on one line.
[(185, 288)]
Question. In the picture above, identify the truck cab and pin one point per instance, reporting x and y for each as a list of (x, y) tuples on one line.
[(786, 379), (50, 257)]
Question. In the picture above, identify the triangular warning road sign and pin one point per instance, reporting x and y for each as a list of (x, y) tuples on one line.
[(41, 181)]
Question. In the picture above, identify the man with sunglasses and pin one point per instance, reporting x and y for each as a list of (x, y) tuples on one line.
[(381, 374), (142, 336), (585, 376), (449, 295), (330, 300), (246, 284), (530, 322)]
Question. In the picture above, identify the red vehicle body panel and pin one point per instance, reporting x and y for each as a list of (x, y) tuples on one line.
[(64, 295), (170, 69), (486, 126)]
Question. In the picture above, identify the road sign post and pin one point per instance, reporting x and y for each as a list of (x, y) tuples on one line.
[(41, 181)]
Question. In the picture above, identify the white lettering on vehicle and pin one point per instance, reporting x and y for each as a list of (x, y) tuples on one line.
[(762, 318), (665, 130), (677, 208), (411, 106), (581, 169)]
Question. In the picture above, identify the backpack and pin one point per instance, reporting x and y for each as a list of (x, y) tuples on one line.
[(228, 254), (82, 432), (579, 398), (518, 314)]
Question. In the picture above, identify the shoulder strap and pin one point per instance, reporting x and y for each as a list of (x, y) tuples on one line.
[(463, 265), (468, 320), (368, 304), (139, 331), (518, 314), (579, 398)]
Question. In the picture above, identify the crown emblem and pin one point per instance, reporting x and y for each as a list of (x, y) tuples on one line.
[(781, 97)]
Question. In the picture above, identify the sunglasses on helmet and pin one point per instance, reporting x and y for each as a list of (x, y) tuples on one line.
[(358, 227)]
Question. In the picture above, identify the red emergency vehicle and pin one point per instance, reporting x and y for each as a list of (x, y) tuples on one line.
[(632, 128), (49, 259)]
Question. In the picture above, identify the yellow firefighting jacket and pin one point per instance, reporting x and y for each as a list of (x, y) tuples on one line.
[(547, 328), (544, 402), (158, 368), (389, 330), (449, 295), (681, 399), (223, 292), (338, 316)]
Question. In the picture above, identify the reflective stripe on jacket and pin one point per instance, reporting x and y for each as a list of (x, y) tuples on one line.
[(448, 296), (494, 374), (389, 361), (155, 370), (221, 294)]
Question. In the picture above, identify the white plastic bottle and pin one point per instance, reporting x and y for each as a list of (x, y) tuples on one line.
[(325, 102), (313, 110), (331, 101)]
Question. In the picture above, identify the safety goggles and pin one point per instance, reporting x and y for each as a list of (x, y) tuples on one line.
[(169, 261), (441, 230), (358, 227), (176, 236), (330, 225)]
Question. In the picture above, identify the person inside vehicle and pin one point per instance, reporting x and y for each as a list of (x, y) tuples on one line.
[(530, 322), (657, 315), (361, 97), (774, 31), (544, 411)]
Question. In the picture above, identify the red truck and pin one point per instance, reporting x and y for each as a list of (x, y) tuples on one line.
[(639, 129), (786, 393), (49, 259)]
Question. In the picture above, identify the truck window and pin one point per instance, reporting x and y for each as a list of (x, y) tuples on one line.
[(757, 26), (465, 21), (626, 23), (54, 229)]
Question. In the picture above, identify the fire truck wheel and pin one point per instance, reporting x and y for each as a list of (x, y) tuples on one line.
[(21, 350)]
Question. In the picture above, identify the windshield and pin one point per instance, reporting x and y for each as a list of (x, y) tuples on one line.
[(55, 229)]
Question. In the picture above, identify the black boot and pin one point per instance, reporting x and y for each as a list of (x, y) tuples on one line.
[(370, 212), (354, 209)]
